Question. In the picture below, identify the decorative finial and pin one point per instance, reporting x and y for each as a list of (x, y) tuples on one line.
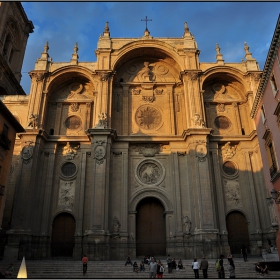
[(218, 49), (246, 48), (76, 48), (46, 47), (186, 28), (219, 56), (106, 29)]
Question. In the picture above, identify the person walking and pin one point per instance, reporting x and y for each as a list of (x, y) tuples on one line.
[(244, 252), (85, 262), (231, 268), (221, 272), (204, 267), (195, 267), (169, 264), (153, 269), (160, 270)]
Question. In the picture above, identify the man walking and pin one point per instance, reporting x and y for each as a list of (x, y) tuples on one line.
[(204, 267), (153, 269), (169, 264), (221, 271), (85, 261)]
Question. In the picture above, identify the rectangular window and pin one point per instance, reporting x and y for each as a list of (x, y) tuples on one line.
[(5, 130), (277, 114), (270, 153), (273, 85), (263, 114)]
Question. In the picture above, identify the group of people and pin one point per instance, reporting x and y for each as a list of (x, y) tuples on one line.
[(261, 268), (156, 269), (9, 271)]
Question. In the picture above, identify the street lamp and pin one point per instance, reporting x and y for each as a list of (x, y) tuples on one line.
[(275, 196)]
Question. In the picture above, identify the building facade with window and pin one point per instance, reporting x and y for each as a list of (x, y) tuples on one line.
[(145, 151), (266, 113)]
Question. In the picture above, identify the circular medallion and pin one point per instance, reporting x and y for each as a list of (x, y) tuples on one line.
[(150, 172), (73, 122), (68, 169), (222, 122), (229, 168), (148, 117)]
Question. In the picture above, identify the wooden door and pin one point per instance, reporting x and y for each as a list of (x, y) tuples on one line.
[(237, 232), (150, 228), (63, 235)]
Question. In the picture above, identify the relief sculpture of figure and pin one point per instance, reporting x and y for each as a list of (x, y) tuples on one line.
[(228, 151), (145, 74)]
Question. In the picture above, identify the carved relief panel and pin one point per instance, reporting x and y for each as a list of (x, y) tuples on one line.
[(66, 194), (69, 108)]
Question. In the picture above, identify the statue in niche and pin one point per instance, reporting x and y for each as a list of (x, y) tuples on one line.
[(228, 151), (187, 224), (198, 121), (33, 121)]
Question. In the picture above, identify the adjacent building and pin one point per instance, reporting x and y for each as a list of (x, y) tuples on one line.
[(14, 31), (144, 151), (266, 114)]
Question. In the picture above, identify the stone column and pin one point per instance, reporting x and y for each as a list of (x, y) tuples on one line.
[(177, 196), (192, 96), (125, 125), (251, 193), (101, 141)]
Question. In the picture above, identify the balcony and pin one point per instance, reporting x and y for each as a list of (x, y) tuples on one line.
[(5, 142)]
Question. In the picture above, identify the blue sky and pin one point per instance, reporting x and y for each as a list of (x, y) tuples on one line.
[(229, 24)]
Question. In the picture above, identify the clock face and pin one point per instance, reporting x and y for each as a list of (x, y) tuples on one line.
[(148, 117)]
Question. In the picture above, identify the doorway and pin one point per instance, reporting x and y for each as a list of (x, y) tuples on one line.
[(63, 235), (237, 232), (150, 228)]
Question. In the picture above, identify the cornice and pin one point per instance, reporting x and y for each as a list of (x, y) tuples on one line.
[(275, 43)]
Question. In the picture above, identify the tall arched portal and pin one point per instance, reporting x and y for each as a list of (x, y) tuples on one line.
[(150, 228), (237, 231), (63, 235)]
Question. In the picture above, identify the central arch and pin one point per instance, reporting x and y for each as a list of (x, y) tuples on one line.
[(63, 235), (150, 228)]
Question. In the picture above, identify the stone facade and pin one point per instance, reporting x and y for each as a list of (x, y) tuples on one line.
[(146, 125)]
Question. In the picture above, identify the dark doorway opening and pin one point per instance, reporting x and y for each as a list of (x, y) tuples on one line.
[(63, 235), (237, 232), (150, 228)]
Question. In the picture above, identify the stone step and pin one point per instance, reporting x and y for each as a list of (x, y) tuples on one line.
[(116, 269)]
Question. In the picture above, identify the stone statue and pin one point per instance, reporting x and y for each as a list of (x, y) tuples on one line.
[(102, 123), (198, 121), (33, 121)]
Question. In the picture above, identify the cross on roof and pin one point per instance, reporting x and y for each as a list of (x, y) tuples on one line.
[(146, 19)]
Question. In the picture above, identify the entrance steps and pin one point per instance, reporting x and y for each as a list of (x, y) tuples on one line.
[(57, 269)]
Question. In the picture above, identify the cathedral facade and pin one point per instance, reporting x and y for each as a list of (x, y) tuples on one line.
[(146, 151)]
